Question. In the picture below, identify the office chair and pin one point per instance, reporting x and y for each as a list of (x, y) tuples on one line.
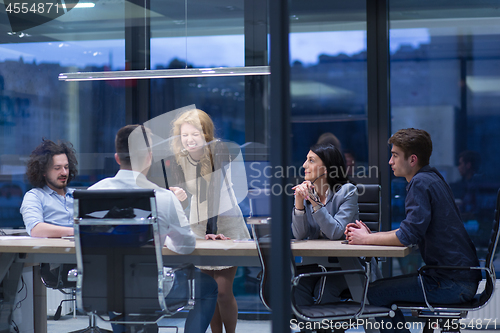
[(262, 238), (448, 315), (369, 204), (119, 259), (338, 311), (57, 279)]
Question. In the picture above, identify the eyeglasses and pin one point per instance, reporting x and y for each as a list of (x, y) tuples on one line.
[(312, 192)]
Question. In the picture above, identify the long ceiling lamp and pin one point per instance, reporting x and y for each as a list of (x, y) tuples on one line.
[(165, 73)]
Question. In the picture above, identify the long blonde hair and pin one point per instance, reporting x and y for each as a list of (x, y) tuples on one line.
[(202, 121)]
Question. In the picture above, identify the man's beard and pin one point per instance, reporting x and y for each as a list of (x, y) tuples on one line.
[(56, 185)]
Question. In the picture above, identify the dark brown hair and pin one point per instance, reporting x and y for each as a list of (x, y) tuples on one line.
[(121, 144), (413, 141), (41, 160)]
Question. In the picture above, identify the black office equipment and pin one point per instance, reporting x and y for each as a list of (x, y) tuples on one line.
[(119, 260)]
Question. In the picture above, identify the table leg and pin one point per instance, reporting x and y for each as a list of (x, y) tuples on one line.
[(40, 302)]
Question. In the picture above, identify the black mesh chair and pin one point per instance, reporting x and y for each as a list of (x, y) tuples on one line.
[(57, 279), (119, 260), (369, 204), (338, 311), (448, 315)]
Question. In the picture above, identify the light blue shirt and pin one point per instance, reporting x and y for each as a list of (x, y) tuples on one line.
[(45, 205)]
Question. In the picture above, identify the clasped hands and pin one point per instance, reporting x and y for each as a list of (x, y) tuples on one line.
[(305, 191), (357, 233)]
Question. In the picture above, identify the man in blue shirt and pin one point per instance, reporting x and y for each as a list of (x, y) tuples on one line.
[(47, 209), (433, 223)]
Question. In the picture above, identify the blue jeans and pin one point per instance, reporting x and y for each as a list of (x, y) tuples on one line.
[(199, 316), (205, 296), (407, 288)]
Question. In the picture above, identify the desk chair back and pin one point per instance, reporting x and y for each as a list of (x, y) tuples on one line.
[(119, 259), (369, 203), (457, 311)]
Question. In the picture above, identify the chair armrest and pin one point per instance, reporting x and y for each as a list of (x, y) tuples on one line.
[(295, 280), (188, 268), (422, 269), (457, 268), (169, 277), (450, 268)]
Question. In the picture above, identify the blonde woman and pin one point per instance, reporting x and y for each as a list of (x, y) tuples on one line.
[(202, 169)]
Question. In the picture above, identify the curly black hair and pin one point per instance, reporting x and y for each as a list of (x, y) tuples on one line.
[(41, 159)]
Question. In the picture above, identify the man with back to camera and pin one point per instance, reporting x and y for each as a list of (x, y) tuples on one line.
[(47, 209), (433, 223), (173, 225)]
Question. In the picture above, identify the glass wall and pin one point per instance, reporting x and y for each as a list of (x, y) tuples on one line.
[(445, 72), (328, 77), (199, 34), (34, 104), (445, 78)]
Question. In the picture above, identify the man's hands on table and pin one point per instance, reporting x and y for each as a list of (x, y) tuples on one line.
[(357, 233)]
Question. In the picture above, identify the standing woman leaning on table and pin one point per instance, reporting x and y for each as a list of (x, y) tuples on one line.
[(202, 169), (324, 204)]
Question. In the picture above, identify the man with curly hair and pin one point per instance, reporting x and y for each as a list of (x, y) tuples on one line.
[(47, 209)]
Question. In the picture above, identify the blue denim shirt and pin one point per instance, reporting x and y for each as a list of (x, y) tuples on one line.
[(45, 205), (433, 223)]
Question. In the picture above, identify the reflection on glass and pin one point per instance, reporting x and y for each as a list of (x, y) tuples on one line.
[(328, 72), (35, 105), (96, 55), (445, 70), (202, 52)]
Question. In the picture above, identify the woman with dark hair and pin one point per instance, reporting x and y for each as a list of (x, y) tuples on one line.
[(326, 201), (324, 204)]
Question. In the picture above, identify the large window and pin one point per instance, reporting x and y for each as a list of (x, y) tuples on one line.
[(445, 74), (328, 77), (444, 71), (34, 104)]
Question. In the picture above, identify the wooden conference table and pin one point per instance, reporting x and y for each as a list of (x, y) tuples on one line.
[(228, 252), (16, 251)]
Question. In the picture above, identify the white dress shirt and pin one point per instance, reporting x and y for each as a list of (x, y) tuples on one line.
[(172, 221)]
